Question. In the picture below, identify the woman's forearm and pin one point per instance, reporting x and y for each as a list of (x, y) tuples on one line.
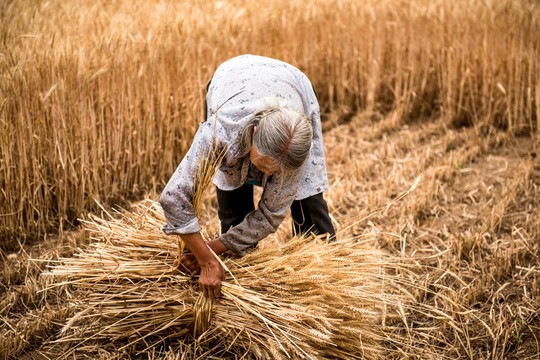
[(194, 240), (217, 246), (195, 243)]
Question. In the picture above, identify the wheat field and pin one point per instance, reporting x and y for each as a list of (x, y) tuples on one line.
[(99, 100)]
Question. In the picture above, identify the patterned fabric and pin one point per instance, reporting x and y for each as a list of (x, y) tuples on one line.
[(240, 87)]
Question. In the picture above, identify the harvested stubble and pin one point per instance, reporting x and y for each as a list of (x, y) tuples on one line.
[(305, 298)]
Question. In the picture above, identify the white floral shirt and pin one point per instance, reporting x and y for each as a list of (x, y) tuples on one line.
[(239, 88)]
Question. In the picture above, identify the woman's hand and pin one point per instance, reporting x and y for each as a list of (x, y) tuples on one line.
[(211, 271), (187, 260), (210, 279)]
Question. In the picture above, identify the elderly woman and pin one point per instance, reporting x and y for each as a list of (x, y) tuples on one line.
[(269, 120)]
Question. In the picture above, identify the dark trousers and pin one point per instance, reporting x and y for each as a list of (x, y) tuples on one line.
[(309, 215)]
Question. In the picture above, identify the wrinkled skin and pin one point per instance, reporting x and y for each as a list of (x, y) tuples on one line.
[(202, 262)]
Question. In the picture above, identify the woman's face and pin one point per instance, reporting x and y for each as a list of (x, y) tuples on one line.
[(263, 163)]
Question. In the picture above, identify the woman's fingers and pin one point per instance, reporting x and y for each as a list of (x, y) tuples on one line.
[(205, 291), (212, 291), (210, 279), (191, 263), (187, 261), (217, 291)]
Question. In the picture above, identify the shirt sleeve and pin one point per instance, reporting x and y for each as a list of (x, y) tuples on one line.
[(276, 199), (177, 197)]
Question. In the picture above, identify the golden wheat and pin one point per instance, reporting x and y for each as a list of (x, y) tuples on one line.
[(103, 105)]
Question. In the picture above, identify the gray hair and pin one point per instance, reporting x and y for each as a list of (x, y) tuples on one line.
[(283, 134)]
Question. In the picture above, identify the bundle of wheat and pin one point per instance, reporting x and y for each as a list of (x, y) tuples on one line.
[(306, 298)]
